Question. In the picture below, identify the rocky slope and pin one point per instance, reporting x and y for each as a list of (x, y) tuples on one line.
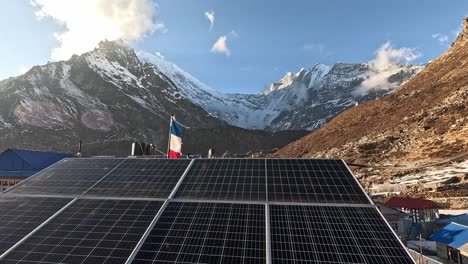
[(304, 100), (425, 120), (106, 97)]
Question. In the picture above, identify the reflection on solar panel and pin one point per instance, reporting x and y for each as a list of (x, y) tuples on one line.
[(322, 234), (70, 177), (152, 178), (89, 231), (225, 179), (312, 181), (21, 215), (207, 233)]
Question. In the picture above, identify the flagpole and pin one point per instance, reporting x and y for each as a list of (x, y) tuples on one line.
[(169, 138)]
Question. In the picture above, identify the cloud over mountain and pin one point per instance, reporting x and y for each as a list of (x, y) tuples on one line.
[(86, 22)]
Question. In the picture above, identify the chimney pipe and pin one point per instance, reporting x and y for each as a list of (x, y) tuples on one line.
[(80, 143)]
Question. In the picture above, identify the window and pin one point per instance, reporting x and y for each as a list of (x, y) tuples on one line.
[(453, 254)]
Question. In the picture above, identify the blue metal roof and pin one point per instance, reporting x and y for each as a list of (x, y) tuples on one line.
[(459, 219), (453, 235), (16, 162)]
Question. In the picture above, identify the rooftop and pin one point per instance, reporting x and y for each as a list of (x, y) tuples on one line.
[(411, 203)]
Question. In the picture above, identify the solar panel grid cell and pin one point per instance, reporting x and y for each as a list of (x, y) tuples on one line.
[(206, 233), (312, 181), (88, 231), (21, 215), (150, 178), (68, 177), (320, 234), (225, 179)]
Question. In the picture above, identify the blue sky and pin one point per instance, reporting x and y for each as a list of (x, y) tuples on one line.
[(266, 39)]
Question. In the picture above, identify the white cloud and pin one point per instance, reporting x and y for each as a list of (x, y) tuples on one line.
[(86, 22), (220, 46), (387, 56), (380, 68), (210, 15), (441, 38)]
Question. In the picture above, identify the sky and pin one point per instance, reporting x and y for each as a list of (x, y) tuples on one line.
[(234, 46)]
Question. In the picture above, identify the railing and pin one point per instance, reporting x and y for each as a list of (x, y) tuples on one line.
[(426, 260)]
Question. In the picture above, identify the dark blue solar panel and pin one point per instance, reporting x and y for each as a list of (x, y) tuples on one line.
[(89, 231), (68, 177), (151, 178), (312, 181), (225, 179), (21, 215), (328, 234), (207, 233)]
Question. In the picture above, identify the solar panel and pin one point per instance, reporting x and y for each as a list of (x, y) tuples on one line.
[(21, 215), (225, 179), (88, 231), (152, 178), (327, 234), (121, 221), (68, 177), (206, 233), (312, 181)]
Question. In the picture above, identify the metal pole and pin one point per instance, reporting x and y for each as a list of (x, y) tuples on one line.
[(421, 259), (169, 138)]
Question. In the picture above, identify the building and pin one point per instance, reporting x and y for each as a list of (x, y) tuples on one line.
[(422, 213), (398, 220), (421, 210), (16, 164), (452, 243)]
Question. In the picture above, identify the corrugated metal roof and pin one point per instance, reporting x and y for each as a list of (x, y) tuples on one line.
[(16, 162), (459, 219), (40, 160), (411, 203), (453, 235)]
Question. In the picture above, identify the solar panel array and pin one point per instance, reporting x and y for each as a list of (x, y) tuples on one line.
[(111, 210)]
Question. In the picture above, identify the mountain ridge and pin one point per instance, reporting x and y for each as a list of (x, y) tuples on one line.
[(309, 97), (110, 98)]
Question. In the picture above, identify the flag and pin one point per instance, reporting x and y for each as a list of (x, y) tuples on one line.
[(175, 140)]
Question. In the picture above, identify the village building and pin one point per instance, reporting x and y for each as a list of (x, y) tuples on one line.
[(16, 165), (398, 220), (452, 243), (422, 213)]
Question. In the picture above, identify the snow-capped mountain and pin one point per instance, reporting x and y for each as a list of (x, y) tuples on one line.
[(304, 100), (109, 97)]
